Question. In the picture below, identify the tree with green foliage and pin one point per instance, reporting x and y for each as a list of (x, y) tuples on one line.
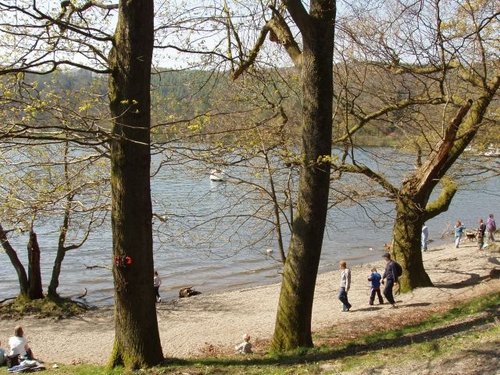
[(315, 61), (70, 37), (438, 76), (38, 176)]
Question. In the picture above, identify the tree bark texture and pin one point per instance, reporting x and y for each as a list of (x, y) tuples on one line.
[(406, 250), (137, 342), (14, 259), (412, 204), (34, 274), (61, 250), (56, 269), (293, 321)]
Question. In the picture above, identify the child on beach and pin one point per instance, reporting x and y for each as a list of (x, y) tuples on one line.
[(156, 284), (375, 278), (459, 230), (480, 234), (245, 347), (425, 237)]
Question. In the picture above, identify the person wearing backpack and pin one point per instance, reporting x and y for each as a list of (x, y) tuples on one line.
[(391, 276)]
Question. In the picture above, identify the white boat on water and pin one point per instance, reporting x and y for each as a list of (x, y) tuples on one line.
[(217, 175)]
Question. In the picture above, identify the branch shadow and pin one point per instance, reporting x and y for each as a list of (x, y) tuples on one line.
[(489, 359), (473, 279), (351, 349), (494, 260), (193, 305), (371, 308), (419, 304)]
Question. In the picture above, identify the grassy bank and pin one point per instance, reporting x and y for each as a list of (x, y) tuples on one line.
[(432, 346)]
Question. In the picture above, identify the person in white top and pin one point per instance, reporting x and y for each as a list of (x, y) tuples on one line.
[(19, 345), (156, 284), (245, 347), (345, 284), (425, 237)]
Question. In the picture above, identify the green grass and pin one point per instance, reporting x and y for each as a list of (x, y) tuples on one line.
[(424, 351), (473, 307), (436, 336)]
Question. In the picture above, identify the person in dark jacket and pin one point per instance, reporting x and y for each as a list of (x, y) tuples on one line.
[(389, 278), (480, 234)]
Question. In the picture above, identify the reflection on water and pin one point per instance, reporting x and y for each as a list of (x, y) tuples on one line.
[(208, 239)]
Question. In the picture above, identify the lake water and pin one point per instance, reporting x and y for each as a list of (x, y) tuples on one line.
[(215, 236)]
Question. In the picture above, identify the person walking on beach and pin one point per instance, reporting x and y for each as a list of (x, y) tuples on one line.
[(491, 227), (375, 286), (425, 237), (459, 230), (345, 284), (389, 278), (480, 234), (156, 284)]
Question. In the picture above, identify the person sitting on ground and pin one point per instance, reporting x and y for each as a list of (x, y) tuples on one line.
[(245, 347), (2, 355), (19, 345)]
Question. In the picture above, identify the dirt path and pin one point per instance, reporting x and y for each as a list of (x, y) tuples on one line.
[(216, 322)]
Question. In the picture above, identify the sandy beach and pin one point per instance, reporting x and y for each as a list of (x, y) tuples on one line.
[(213, 323)]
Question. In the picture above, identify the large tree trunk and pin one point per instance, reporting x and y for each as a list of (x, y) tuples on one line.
[(293, 321), (14, 259), (35, 290), (406, 245), (61, 253), (412, 204), (137, 342), (61, 248), (56, 272)]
